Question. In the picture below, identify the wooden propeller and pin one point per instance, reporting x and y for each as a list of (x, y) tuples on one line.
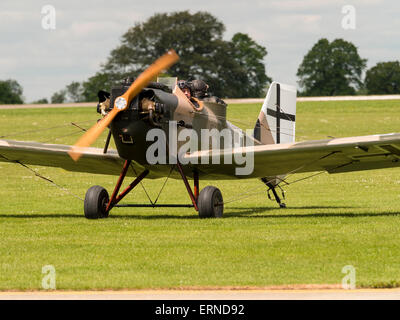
[(121, 103)]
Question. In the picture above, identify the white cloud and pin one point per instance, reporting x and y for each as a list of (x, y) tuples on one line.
[(45, 61)]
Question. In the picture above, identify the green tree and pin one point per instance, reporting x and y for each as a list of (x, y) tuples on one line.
[(90, 87), (231, 68), (41, 101), (249, 56), (85, 91), (331, 69), (10, 92), (74, 92), (59, 97), (383, 78)]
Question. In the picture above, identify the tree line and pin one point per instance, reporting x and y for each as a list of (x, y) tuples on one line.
[(232, 68)]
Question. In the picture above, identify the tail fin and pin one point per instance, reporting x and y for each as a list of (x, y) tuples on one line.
[(276, 122)]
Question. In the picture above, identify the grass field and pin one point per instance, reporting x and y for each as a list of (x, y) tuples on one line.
[(331, 220)]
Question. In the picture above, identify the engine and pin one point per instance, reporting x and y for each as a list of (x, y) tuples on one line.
[(152, 108)]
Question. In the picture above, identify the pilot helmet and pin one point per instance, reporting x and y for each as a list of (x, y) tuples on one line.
[(182, 84), (199, 88)]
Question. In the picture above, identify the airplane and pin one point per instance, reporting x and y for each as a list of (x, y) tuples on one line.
[(143, 115)]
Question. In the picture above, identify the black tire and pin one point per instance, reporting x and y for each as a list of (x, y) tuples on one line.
[(210, 203), (96, 200)]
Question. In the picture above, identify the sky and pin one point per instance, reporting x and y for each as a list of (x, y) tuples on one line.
[(44, 59)]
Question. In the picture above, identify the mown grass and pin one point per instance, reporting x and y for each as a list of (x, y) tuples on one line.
[(331, 220)]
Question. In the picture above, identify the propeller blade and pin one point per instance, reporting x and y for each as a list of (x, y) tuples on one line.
[(91, 135), (122, 102)]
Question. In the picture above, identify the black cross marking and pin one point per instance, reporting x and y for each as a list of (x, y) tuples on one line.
[(278, 114), (283, 115)]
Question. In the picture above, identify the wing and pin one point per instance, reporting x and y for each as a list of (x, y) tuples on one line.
[(333, 156), (53, 155)]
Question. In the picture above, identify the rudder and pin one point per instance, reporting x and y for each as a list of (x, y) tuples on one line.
[(276, 122)]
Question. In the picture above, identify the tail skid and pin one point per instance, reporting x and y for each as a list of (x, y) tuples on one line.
[(276, 123)]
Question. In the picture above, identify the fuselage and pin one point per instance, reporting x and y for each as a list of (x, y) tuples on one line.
[(180, 121)]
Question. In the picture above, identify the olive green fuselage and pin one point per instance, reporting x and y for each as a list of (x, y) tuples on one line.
[(131, 127)]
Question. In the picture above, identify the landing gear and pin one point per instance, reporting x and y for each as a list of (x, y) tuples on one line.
[(95, 204), (272, 187), (210, 203), (277, 199)]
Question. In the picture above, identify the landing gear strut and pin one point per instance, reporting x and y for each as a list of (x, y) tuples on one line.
[(208, 203)]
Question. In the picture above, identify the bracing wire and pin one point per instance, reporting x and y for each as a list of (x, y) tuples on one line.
[(15, 134), (251, 194), (37, 174)]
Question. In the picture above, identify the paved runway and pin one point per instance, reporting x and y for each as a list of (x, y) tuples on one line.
[(228, 101), (330, 294)]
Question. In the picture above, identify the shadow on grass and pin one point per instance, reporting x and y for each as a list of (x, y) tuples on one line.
[(81, 216), (240, 211), (37, 216), (231, 212)]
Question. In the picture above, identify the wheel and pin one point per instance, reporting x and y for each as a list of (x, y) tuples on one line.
[(96, 200), (210, 203)]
